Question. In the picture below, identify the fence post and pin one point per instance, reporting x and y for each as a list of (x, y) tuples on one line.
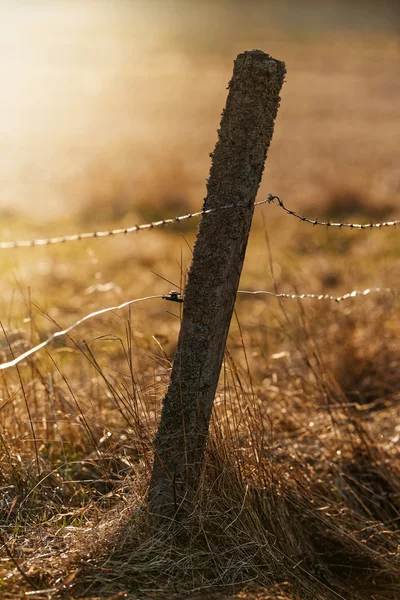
[(237, 165)]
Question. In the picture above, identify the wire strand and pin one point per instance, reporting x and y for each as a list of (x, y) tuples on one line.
[(13, 363), (271, 199), (62, 239), (347, 296)]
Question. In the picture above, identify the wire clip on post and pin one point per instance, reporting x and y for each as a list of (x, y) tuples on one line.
[(173, 296)]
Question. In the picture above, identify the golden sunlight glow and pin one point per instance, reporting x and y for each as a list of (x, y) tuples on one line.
[(72, 82)]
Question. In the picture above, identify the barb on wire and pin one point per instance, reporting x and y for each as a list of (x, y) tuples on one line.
[(57, 334), (322, 296), (271, 198), (62, 239)]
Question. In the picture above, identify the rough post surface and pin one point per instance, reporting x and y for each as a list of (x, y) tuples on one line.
[(237, 165)]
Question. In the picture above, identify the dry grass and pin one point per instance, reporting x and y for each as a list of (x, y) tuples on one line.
[(301, 485), (300, 496)]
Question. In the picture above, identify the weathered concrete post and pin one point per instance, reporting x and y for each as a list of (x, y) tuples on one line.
[(237, 165)]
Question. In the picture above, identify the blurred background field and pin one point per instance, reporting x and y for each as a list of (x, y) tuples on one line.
[(118, 102), (110, 110), (108, 113)]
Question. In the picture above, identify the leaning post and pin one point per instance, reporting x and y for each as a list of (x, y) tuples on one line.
[(244, 137)]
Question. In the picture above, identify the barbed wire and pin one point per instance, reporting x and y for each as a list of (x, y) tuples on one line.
[(62, 239), (176, 297), (271, 199), (347, 296)]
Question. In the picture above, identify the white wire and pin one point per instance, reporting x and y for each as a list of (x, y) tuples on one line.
[(15, 361), (352, 294)]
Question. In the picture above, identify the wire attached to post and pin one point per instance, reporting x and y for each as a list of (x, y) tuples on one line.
[(173, 296)]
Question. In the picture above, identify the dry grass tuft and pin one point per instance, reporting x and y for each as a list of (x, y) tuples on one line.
[(296, 491)]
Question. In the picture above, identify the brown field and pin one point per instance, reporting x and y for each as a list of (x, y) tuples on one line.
[(108, 121)]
